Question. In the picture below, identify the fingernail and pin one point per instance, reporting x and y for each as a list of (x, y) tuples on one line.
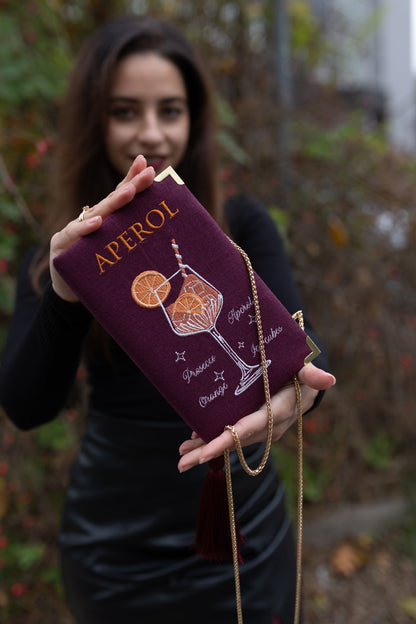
[(93, 219), (334, 381), (204, 460)]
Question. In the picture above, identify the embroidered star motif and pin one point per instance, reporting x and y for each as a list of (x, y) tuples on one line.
[(219, 376), (240, 345), (251, 319), (180, 356)]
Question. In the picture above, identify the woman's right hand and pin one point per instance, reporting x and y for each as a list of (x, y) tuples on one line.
[(137, 179)]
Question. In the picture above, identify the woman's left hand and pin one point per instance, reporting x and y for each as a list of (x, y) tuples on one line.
[(253, 428), (138, 178)]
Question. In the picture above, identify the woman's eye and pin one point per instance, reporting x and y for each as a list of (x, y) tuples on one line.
[(123, 113), (172, 112)]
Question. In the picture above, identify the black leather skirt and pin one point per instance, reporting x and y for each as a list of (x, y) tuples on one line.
[(129, 526)]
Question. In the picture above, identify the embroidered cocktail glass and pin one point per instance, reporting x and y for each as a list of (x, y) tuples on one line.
[(196, 308)]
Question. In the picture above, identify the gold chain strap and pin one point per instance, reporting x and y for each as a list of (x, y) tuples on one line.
[(256, 471), (299, 515), (253, 472), (231, 514)]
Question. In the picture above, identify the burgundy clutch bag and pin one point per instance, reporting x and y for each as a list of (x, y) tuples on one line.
[(173, 291)]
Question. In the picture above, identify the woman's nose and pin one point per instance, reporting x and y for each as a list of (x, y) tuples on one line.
[(149, 130)]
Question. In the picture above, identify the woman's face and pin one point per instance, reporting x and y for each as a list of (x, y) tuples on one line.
[(147, 113)]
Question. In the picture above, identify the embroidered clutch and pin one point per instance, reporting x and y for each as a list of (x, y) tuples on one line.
[(170, 287)]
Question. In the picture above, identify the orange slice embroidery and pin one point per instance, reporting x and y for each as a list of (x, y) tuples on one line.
[(188, 303), (144, 286)]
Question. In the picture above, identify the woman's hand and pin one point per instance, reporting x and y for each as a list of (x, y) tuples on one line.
[(137, 179), (253, 428)]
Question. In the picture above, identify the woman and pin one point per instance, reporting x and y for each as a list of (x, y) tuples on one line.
[(137, 89)]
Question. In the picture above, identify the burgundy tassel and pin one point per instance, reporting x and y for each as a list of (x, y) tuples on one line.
[(213, 536)]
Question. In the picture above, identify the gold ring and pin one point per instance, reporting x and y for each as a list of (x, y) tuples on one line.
[(83, 213)]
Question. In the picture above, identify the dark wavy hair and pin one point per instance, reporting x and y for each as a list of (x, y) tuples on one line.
[(83, 174)]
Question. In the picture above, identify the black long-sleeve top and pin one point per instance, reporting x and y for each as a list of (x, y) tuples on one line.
[(46, 337)]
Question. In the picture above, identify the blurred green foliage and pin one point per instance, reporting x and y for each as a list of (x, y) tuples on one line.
[(379, 450)]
